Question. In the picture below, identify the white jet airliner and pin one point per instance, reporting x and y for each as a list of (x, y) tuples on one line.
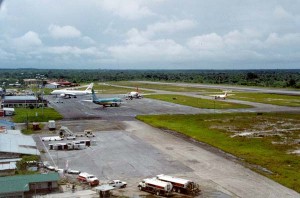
[(221, 96), (69, 93)]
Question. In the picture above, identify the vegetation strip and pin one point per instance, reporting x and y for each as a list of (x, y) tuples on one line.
[(197, 102), (275, 99), (276, 135), (35, 115)]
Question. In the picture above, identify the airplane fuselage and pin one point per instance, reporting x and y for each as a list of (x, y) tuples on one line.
[(108, 102), (70, 92)]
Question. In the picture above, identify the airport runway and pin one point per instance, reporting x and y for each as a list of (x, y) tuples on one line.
[(231, 87), (80, 108)]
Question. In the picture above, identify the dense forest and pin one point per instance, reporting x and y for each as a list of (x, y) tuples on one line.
[(264, 78)]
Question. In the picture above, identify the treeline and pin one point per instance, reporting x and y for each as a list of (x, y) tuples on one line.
[(264, 78)]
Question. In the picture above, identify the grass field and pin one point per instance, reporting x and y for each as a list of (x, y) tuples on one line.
[(196, 102), (269, 150), (275, 99), (164, 87), (35, 115)]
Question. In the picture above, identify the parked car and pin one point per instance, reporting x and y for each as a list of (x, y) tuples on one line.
[(48, 166), (71, 137), (117, 184), (75, 172)]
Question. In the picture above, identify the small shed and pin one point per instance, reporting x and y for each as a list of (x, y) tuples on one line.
[(36, 126), (104, 190)]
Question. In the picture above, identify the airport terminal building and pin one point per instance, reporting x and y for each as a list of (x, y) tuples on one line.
[(23, 101)]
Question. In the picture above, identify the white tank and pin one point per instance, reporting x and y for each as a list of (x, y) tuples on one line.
[(153, 182), (183, 183)]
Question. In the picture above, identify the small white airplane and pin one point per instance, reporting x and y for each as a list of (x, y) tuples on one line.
[(221, 96), (134, 94), (66, 93)]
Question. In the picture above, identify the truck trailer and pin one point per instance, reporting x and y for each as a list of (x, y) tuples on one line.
[(181, 185), (156, 186)]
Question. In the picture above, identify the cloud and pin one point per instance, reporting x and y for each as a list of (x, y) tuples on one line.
[(30, 39), (6, 56), (280, 12), (140, 36), (59, 32), (290, 39), (73, 50), (129, 9), (169, 27), (206, 42), (140, 46), (162, 49)]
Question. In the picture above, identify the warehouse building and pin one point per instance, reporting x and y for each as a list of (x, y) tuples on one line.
[(13, 144), (23, 101), (28, 185)]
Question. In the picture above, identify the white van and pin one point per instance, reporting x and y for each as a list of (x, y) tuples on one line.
[(51, 125)]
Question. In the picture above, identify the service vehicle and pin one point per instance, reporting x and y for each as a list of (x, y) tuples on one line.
[(181, 185), (71, 137), (51, 125), (86, 133), (75, 172), (52, 138), (48, 166), (117, 184), (156, 186), (90, 179)]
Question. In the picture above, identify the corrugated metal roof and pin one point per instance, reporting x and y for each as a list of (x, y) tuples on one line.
[(8, 166), (15, 142), (19, 98), (20, 183), (6, 123)]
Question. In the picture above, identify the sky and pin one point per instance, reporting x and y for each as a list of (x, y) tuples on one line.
[(150, 34)]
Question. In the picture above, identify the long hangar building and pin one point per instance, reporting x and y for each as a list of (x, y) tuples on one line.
[(23, 101)]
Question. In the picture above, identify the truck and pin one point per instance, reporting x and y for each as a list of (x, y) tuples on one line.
[(51, 125), (87, 133), (156, 186), (88, 178), (181, 185)]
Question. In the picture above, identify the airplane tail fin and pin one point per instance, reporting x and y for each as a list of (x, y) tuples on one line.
[(94, 95), (90, 87), (225, 93)]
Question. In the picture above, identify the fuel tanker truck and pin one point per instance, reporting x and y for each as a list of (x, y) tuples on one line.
[(156, 186), (181, 185)]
